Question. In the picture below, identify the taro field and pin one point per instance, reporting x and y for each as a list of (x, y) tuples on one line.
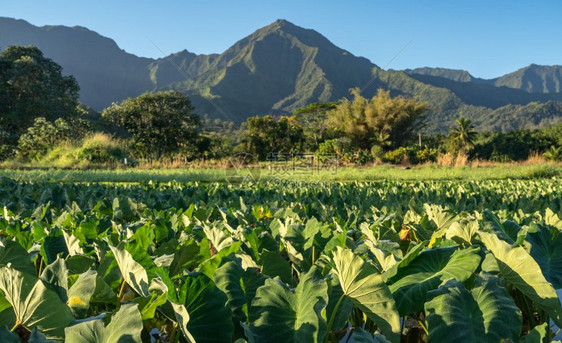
[(390, 261)]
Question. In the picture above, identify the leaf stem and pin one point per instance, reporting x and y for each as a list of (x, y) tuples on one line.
[(530, 313), (422, 324), (313, 253), (121, 290), (15, 326), (40, 266), (333, 316), (173, 334)]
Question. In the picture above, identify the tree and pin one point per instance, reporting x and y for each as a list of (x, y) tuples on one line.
[(32, 86), (266, 135), (8, 143), (312, 119), (157, 123), (462, 136), (364, 121)]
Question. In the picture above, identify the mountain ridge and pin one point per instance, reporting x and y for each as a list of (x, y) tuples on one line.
[(275, 70), (533, 78)]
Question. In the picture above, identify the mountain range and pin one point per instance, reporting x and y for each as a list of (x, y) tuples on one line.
[(282, 67)]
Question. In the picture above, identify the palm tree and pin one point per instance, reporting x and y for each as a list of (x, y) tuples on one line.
[(553, 154), (462, 136), (382, 139)]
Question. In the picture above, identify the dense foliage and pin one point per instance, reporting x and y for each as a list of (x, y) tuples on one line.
[(515, 145), (158, 123), (33, 86), (267, 135), (312, 119), (362, 119), (43, 136), (479, 261)]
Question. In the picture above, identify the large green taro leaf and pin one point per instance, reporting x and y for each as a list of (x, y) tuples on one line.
[(81, 292), (362, 336), (240, 287), (365, 287), (522, 271), (210, 318), (35, 305), (133, 273), (182, 318), (7, 316), (546, 249), (286, 316), (538, 334), (13, 253), (485, 314), (125, 326), (55, 277), (274, 264), (427, 271), (345, 305)]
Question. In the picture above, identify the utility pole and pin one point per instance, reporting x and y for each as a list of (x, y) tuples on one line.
[(419, 139)]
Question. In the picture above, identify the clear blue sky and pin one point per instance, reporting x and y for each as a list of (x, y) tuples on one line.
[(487, 38)]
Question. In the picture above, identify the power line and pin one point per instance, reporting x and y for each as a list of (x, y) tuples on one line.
[(387, 64)]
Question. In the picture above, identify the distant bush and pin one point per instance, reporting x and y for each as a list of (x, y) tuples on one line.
[(396, 156), (511, 146), (377, 152), (101, 149), (97, 150), (359, 157), (427, 155), (214, 146), (338, 146), (413, 154), (43, 136)]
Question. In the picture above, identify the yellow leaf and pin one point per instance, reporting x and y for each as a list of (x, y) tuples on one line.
[(73, 301)]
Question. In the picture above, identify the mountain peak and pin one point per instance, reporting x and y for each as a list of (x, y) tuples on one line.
[(285, 28), (282, 23)]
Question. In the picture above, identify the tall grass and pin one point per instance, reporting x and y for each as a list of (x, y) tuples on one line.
[(96, 151), (374, 173)]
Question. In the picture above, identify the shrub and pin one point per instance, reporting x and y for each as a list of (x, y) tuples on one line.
[(101, 149), (412, 154), (43, 136), (339, 146), (377, 152), (360, 157), (396, 156), (427, 155)]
